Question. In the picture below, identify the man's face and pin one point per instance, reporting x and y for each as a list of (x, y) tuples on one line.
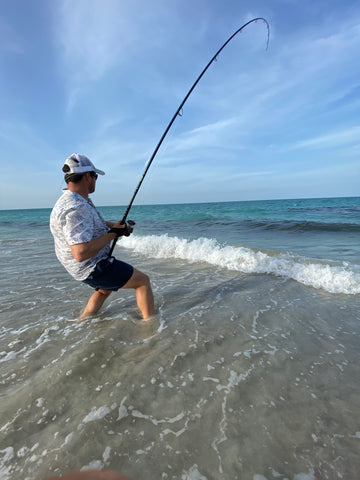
[(93, 176)]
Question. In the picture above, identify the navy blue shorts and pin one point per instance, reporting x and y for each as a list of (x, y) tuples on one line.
[(110, 274)]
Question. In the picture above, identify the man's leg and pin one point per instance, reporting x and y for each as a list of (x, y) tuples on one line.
[(144, 295), (95, 302)]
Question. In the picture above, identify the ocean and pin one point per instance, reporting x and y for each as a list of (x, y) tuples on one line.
[(249, 371)]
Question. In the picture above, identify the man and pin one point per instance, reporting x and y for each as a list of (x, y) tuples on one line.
[(82, 241)]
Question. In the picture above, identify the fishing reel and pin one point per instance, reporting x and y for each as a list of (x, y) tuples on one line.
[(130, 224), (125, 231)]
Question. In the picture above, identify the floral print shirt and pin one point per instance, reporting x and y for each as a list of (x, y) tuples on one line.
[(76, 220)]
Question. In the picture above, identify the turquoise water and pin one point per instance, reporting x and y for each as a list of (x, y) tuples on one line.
[(312, 226), (343, 210), (323, 229), (249, 371)]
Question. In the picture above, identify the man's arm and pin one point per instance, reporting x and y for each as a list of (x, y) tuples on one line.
[(86, 250)]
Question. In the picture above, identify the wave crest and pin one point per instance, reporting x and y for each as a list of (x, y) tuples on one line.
[(331, 278)]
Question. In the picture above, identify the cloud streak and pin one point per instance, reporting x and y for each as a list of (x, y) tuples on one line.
[(337, 138), (92, 40)]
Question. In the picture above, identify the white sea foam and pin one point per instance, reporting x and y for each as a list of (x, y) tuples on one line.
[(93, 465), (193, 474), (305, 476), (96, 414), (332, 278), (6, 457)]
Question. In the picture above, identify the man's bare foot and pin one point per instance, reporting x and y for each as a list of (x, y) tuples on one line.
[(148, 327)]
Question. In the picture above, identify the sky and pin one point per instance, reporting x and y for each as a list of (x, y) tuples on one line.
[(104, 78)]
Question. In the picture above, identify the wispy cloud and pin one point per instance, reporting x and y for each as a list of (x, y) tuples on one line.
[(92, 40), (337, 138), (94, 37), (210, 135)]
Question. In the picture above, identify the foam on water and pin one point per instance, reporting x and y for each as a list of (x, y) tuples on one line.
[(6, 456), (300, 476), (331, 278), (193, 474), (96, 414)]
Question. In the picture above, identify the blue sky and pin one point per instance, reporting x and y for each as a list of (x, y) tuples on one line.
[(104, 78)]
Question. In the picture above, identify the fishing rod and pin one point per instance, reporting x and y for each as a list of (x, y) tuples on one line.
[(214, 58)]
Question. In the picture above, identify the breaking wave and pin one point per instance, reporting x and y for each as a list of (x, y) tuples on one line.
[(317, 274)]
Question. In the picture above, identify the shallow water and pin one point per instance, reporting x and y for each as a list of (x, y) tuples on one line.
[(242, 375)]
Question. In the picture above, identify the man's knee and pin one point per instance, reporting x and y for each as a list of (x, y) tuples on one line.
[(138, 279), (103, 292), (146, 279)]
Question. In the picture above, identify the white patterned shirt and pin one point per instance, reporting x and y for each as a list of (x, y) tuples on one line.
[(76, 220)]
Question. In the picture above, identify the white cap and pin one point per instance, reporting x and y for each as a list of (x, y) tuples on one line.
[(77, 164)]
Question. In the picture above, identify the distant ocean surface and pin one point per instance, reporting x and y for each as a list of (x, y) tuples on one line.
[(249, 371)]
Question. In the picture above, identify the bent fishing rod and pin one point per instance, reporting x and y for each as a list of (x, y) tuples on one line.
[(214, 58)]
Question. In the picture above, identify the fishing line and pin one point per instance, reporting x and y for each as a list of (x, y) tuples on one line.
[(214, 58)]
